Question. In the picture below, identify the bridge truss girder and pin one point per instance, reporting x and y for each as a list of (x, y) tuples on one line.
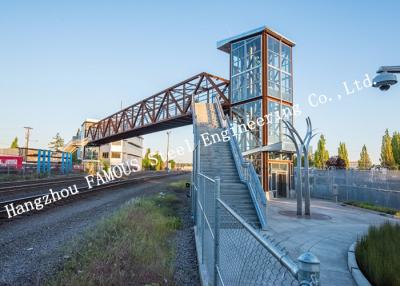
[(167, 109)]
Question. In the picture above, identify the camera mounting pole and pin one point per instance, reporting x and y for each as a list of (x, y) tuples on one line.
[(389, 69)]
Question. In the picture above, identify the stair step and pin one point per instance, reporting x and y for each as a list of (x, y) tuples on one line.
[(216, 160)]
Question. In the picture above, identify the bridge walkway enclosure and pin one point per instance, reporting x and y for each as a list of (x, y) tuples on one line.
[(167, 109)]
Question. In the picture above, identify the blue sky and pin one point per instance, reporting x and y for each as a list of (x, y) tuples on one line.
[(64, 61)]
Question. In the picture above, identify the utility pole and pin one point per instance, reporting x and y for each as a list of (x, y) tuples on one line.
[(168, 132), (27, 133)]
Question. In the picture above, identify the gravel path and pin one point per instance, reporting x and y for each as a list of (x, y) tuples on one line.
[(186, 267), (32, 247)]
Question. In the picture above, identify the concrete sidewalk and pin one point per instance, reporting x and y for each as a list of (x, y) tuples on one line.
[(327, 237)]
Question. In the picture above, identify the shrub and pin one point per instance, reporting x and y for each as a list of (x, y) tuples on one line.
[(378, 253), (370, 206)]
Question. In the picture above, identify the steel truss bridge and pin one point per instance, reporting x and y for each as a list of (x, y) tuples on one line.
[(167, 109)]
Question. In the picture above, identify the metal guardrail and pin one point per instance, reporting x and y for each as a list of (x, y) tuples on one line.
[(372, 187), (231, 252), (246, 170)]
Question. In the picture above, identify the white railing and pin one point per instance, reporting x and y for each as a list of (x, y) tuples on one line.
[(246, 170)]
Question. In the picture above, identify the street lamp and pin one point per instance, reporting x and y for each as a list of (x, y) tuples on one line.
[(168, 132), (386, 77)]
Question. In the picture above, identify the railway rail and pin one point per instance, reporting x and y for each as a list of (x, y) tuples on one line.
[(84, 190), (23, 185)]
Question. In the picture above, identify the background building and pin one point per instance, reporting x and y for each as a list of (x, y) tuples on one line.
[(262, 83), (122, 150), (112, 153)]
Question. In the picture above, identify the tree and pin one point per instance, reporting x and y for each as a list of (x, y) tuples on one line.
[(75, 157), (342, 153), (321, 154), (387, 158), (336, 162), (14, 143), (365, 162), (146, 163), (57, 143), (310, 159), (160, 164), (105, 165), (172, 163), (396, 147)]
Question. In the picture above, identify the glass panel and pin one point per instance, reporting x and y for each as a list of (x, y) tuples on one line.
[(273, 125), (273, 181), (279, 70), (242, 114), (285, 57), (238, 57), (273, 82), (255, 159), (246, 69), (273, 52), (287, 114), (273, 45), (286, 87)]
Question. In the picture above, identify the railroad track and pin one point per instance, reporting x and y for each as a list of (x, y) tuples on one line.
[(10, 187), (83, 190)]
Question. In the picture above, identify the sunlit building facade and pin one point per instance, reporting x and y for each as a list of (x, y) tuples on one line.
[(261, 74)]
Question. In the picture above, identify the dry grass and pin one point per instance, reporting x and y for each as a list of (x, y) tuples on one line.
[(133, 247)]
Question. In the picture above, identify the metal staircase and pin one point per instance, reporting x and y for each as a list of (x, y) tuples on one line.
[(239, 184)]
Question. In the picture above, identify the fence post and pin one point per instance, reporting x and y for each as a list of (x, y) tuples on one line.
[(309, 270), (38, 166), (49, 162), (203, 224), (216, 230)]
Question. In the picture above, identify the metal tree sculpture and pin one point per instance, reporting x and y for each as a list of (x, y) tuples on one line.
[(299, 150), (302, 145)]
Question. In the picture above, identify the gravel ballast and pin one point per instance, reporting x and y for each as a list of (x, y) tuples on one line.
[(186, 267), (33, 247)]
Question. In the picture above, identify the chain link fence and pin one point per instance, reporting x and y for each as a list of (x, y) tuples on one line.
[(378, 187), (231, 252)]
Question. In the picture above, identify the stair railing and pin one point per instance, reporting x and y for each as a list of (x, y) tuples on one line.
[(245, 169)]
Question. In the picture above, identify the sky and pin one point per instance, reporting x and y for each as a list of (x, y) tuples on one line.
[(64, 61)]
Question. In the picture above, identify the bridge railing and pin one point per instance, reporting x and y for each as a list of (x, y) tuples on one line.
[(246, 170)]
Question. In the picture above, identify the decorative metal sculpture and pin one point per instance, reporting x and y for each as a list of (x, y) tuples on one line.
[(302, 146)]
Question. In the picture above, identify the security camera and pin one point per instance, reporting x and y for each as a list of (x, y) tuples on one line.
[(384, 80), (385, 77)]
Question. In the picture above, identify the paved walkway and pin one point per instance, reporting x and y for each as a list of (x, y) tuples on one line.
[(328, 239)]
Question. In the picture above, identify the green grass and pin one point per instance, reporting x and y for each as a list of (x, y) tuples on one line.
[(132, 247), (374, 208), (179, 185), (378, 254)]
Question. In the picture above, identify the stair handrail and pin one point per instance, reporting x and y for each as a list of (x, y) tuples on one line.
[(245, 168)]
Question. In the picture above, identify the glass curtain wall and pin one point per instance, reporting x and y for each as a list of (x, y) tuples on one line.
[(246, 69), (256, 160), (276, 127), (242, 114), (279, 70)]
